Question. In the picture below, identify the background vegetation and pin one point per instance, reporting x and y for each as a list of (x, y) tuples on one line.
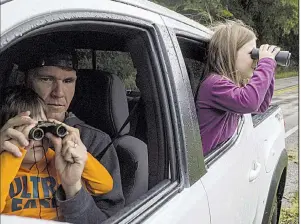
[(274, 21)]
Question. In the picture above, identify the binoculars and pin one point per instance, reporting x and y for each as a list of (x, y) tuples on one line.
[(282, 58), (38, 132)]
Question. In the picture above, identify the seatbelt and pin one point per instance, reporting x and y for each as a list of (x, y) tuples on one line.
[(129, 118)]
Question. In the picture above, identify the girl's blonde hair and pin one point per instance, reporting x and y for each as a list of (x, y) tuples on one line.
[(227, 39)]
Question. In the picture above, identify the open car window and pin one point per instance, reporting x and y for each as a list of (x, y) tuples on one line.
[(126, 54), (115, 62), (194, 54)]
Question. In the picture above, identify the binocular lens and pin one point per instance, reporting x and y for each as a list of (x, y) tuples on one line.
[(38, 134), (61, 131)]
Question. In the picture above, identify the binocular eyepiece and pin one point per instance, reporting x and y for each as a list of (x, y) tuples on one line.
[(282, 58), (38, 132)]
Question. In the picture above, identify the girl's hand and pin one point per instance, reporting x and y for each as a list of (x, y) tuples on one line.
[(268, 51)]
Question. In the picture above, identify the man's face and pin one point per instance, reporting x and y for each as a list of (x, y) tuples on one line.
[(56, 86)]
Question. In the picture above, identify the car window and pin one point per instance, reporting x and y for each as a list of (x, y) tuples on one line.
[(84, 58), (115, 62), (194, 54), (104, 57), (120, 64)]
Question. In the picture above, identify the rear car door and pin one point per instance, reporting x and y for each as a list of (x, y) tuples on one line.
[(178, 196), (231, 181)]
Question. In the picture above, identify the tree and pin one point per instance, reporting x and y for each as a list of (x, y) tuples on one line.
[(271, 21), (205, 12), (275, 21)]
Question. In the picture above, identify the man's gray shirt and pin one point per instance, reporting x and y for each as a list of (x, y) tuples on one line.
[(84, 208)]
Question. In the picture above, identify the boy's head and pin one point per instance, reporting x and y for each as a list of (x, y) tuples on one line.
[(17, 99)]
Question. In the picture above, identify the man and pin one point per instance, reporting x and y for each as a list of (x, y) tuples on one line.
[(53, 76)]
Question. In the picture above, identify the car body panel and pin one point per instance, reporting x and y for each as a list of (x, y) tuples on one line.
[(232, 195), (222, 193), (189, 206), (24, 11)]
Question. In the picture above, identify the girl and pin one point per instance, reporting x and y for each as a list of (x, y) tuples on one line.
[(232, 86), (29, 182)]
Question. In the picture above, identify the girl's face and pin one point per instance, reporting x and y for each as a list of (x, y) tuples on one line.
[(37, 152), (244, 63)]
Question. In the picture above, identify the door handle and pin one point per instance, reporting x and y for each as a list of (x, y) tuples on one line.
[(254, 173)]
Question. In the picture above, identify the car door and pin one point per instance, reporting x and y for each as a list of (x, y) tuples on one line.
[(233, 169), (170, 200), (232, 179), (185, 199), (190, 204)]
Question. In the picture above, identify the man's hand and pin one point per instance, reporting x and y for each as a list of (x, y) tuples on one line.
[(70, 159), (13, 133)]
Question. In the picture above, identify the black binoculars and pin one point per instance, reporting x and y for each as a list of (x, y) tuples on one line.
[(38, 132), (282, 58)]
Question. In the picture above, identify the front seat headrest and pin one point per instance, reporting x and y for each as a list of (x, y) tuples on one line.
[(100, 100)]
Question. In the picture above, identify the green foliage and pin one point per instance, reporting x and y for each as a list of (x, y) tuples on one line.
[(204, 12), (281, 75), (118, 63), (226, 13), (273, 25), (114, 62), (275, 21)]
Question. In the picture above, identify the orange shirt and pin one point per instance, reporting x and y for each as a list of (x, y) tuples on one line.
[(30, 193)]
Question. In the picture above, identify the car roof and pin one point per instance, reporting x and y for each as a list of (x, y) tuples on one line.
[(143, 4)]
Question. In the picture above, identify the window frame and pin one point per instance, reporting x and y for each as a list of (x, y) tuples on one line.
[(157, 196), (218, 152), (192, 157)]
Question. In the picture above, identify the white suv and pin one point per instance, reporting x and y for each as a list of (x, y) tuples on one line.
[(159, 54)]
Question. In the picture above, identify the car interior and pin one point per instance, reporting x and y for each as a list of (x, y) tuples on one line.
[(114, 80), (116, 85)]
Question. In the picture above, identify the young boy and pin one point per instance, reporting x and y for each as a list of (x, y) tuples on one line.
[(28, 183)]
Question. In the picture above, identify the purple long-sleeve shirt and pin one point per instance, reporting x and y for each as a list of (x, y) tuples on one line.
[(220, 102)]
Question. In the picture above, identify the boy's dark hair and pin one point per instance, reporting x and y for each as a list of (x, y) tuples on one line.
[(17, 99)]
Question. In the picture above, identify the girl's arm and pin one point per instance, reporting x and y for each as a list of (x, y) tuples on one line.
[(267, 98), (248, 99)]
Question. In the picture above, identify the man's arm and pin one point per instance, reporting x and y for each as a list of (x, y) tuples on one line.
[(82, 208), (79, 209)]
